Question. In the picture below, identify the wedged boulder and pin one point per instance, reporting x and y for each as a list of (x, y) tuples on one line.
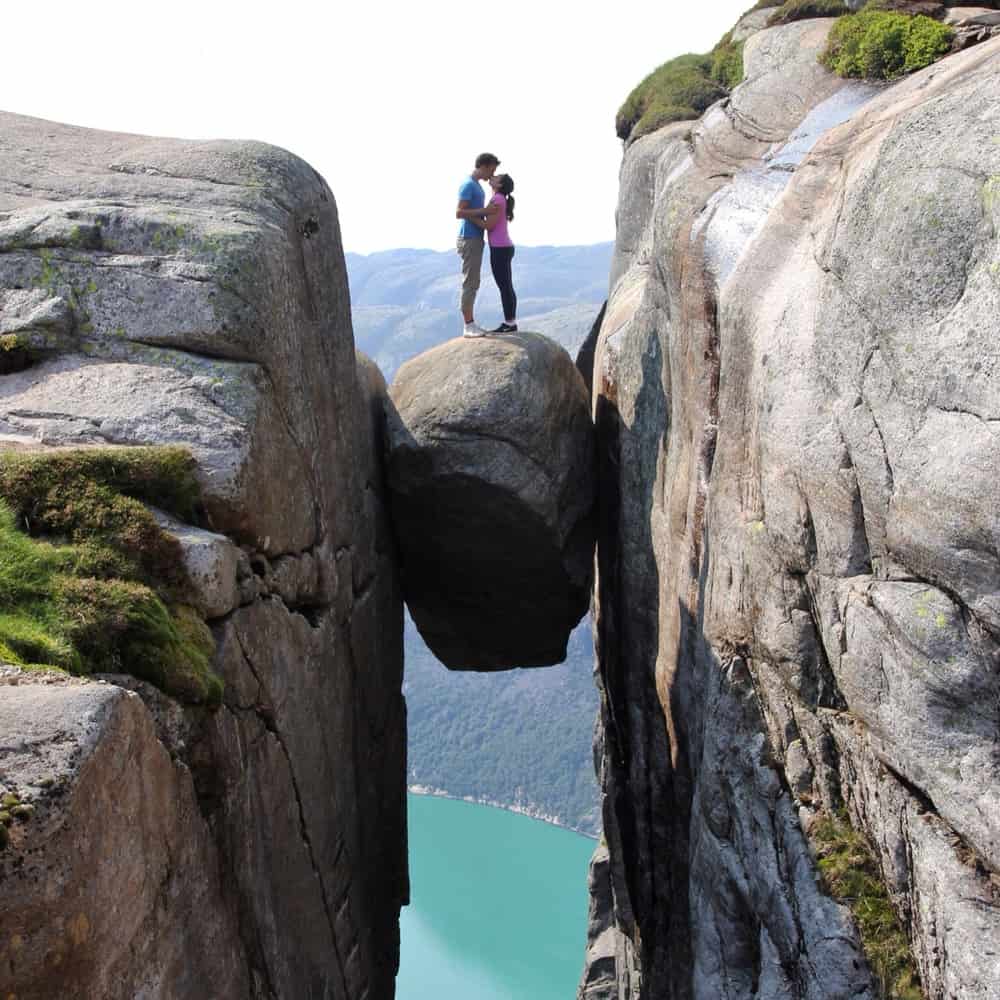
[(491, 470)]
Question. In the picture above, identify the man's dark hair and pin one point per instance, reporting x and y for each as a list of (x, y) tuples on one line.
[(487, 160)]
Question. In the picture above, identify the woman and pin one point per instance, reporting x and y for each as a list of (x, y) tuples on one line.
[(499, 211)]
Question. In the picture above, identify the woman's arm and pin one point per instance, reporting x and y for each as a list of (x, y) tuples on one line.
[(477, 213)]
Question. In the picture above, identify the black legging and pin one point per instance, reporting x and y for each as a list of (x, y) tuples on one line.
[(500, 258)]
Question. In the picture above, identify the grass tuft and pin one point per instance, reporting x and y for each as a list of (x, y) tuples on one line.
[(799, 10), (681, 89), (882, 45), (88, 581), (851, 875)]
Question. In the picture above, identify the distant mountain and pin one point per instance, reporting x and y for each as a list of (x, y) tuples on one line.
[(405, 301), (520, 738)]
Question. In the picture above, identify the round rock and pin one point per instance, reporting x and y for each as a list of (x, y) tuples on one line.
[(492, 477)]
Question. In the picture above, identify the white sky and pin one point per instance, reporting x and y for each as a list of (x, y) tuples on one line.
[(391, 102)]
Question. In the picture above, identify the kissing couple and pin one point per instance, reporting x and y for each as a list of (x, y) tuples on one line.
[(480, 217)]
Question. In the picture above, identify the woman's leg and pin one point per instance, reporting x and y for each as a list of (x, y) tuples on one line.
[(500, 261)]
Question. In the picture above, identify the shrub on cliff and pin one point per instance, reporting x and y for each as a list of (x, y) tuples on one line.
[(799, 10), (103, 588), (681, 89), (851, 875), (881, 45)]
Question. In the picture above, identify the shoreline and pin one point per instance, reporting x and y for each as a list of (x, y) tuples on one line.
[(529, 811)]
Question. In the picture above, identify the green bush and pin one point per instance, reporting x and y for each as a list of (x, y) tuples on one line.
[(95, 498), (851, 875), (799, 10), (727, 62), (681, 89), (104, 590), (881, 45)]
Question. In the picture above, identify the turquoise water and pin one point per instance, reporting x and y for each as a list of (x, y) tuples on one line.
[(499, 905)]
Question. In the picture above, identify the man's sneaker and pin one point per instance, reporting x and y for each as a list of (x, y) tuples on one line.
[(505, 328), (473, 330)]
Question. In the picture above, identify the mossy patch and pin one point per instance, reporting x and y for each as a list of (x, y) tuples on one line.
[(799, 10), (883, 45), (89, 582), (681, 89), (727, 62), (15, 353), (851, 875)]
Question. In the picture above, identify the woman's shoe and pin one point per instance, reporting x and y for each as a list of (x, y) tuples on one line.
[(505, 328)]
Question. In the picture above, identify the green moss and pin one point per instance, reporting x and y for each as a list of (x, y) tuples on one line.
[(727, 62), (799, 10), (851, 875), (103, 588), (168, 239), (881, 45), (991, 193), (163, 477), (679, 90), (15, 353), (27, 640)]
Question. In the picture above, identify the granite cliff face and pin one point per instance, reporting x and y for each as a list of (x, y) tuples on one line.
[(795, 388), (167, 292)]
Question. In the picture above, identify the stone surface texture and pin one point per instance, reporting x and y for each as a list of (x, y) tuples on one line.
[(798, 594), (173, 292), (491, 467)]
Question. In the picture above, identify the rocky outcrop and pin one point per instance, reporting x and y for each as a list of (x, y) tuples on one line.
[(796, 402), (114, 840), (168, 292), (491, 468)]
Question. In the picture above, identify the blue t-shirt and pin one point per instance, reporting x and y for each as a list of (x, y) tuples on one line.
[(472, 192)]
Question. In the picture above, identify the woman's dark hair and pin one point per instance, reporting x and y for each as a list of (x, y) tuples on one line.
[(506, 189)]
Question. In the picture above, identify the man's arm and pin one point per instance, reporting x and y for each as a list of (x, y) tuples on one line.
[(464, 212), (482, 223)]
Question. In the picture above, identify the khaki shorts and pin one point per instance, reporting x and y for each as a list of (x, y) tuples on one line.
[(470, 249)]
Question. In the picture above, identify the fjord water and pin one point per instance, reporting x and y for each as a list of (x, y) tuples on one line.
[(499, 905)]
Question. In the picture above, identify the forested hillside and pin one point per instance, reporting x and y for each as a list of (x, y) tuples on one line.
[(520, 738)]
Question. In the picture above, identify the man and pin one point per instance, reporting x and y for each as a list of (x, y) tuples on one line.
[(471, 238)]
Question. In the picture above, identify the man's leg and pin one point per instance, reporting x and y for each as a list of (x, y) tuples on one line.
[(471, 252)]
